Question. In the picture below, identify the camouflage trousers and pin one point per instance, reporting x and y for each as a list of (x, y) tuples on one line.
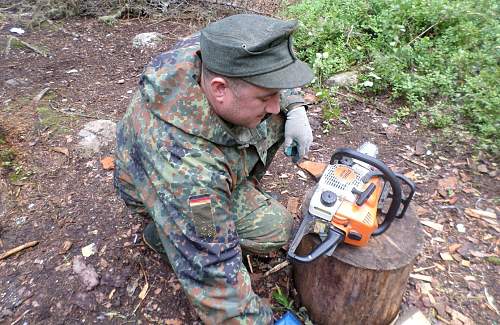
[(263, 225)]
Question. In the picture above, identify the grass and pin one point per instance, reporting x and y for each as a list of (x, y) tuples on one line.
[(439, 56)]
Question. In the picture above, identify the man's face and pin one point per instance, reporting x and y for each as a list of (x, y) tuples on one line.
[(246, 105)]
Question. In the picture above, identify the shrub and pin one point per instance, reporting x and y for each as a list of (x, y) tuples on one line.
[(441, 56)]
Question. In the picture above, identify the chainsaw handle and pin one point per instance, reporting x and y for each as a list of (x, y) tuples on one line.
[(387, 174), (333, 238)]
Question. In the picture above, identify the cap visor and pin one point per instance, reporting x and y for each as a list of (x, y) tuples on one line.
[(294, 75)]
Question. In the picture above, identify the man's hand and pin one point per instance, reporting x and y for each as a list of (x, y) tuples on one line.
[(297, 132)]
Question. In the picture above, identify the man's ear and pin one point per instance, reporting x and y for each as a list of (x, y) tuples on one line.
[(220, 88)]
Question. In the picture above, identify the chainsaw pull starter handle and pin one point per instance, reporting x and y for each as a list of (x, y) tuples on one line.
[(387, 174)]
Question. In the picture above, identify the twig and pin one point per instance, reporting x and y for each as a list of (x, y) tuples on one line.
[(18, 249), (444, 320), (413, 161), (278, 267), (37, 98), (425, 31), (74, 114), (20, 317), (249, 260)]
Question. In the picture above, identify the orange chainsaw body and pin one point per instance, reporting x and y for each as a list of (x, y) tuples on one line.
[(353, 219)]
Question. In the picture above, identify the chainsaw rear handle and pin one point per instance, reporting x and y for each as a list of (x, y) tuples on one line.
[(387, 174), (334, 237)]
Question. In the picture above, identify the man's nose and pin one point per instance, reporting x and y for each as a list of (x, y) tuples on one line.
[(273, 105)]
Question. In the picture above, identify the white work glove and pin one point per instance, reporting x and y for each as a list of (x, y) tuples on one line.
[(298, 134)]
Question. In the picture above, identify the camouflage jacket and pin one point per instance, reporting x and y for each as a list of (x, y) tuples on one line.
[(180, 160)]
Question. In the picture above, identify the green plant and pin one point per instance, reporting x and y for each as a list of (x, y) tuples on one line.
[(433, 54), (282, 300), (400, 114)]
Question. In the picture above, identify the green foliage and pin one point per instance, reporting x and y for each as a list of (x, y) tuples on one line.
[(441, 56), (493, 260), (7, 156), (282, 300)]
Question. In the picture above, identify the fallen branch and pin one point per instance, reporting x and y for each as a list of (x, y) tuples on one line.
[(37, 98), (13, 41), (414, 161), (74, 114), (18, 249)]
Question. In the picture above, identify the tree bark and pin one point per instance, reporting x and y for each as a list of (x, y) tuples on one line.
[(360, 285)]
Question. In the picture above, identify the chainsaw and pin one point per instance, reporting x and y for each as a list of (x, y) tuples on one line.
[(349, 199)]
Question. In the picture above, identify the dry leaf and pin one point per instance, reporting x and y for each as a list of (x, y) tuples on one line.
[(173, 322), (314, 168), (108, 163), (292, 205), (144, 291), (63, 150), (470, 278), (432, 224), (465, 263), (422, 211)]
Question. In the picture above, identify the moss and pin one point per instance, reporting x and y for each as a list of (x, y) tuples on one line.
[(494, 260), (7, 157), (50, 119)]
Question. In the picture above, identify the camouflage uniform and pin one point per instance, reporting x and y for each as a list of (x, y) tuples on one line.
[(194, 175)]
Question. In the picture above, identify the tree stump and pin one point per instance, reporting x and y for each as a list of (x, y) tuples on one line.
[(359, 285)]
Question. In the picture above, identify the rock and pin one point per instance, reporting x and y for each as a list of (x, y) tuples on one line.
[(95, 135), (344, 79), (16, 82), (419, 148), (86, 273), (151, 39)]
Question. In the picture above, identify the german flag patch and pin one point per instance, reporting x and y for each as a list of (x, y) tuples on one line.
[(199, 200), (202, 216)]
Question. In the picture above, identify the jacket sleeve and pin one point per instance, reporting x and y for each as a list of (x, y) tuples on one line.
[(289, 99), (187, 191)]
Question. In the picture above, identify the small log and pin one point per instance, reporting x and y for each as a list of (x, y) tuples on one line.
[(360, 285)]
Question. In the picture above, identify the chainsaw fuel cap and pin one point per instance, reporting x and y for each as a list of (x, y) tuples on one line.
[(328, 198)]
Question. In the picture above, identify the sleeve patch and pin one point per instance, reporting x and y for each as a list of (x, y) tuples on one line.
[(202, 216)]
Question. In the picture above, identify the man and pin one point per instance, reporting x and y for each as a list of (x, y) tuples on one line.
[(201, 131)]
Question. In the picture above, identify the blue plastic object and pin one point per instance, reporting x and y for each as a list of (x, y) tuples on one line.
[(292, 151), (288, 319)]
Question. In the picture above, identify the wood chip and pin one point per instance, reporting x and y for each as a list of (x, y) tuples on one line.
[(63, 150), (465, 263), (314, 168), (422, 277), (432, 224), (292, 205), (446, 256), (144, 291), (65, 247), (490, 217), (108, 163), (453, 248)]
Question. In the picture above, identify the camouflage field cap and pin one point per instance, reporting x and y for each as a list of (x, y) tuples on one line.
[(257, 49)]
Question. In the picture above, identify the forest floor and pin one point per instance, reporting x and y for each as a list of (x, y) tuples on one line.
[(52, 193)]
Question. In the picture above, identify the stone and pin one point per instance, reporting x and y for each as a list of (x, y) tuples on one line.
[(344, 79), (151, 39), (96, 135)]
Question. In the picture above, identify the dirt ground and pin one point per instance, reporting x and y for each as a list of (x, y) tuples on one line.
[(50, 192)]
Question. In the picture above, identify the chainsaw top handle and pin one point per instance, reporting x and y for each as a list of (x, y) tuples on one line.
[(387, 174)]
